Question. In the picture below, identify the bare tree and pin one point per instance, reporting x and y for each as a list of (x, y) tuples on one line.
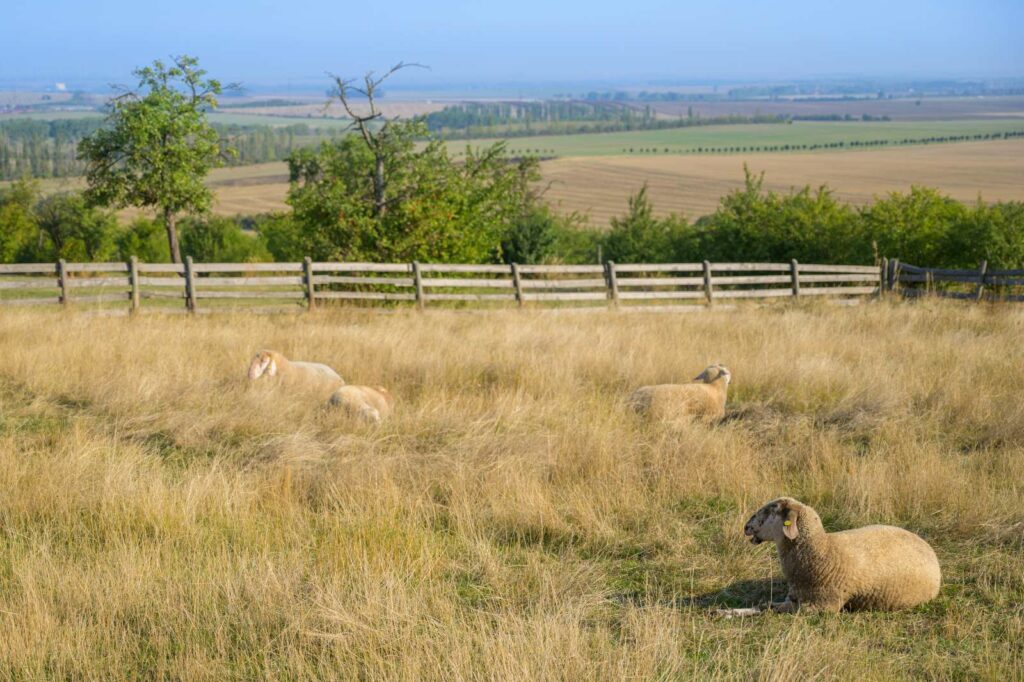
[(343, 90)]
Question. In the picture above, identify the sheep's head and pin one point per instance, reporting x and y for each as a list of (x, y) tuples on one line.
[(713, 373), (388, 398), (776, 520), (264, 362)]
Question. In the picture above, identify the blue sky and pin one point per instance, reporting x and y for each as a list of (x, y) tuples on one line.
[(261, 42)]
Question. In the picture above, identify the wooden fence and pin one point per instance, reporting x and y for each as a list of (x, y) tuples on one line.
[(203, 287), (983, 283)]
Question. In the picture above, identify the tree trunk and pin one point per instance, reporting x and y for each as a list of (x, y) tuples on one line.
[(172, 235), (379, 202)]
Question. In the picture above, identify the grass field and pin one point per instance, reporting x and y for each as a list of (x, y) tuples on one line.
[(692, 185), (680, 140), (512, 521)]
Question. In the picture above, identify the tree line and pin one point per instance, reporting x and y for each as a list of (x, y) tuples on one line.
[(393, 192)]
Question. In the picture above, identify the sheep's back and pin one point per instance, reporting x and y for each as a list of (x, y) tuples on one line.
[(673, 401), (891, 568)]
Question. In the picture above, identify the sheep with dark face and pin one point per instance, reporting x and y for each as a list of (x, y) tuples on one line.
[(871, 568), (703, 398)]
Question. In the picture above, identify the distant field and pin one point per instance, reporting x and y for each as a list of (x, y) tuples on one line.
[(680, 140), (692, 185), (898, 109)]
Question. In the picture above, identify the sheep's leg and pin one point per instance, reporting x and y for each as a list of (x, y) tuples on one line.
[(738, 613)]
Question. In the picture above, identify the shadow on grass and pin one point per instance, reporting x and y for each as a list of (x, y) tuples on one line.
[(742, 593)]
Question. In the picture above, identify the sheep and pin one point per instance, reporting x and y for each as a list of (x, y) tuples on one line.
[(703, 398), (370, 403), (271, 363), (877, 567)]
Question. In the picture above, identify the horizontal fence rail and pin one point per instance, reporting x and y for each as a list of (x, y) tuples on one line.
[(208, 287), (983, 283)]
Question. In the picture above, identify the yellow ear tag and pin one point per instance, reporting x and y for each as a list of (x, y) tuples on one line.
[(787, 523)]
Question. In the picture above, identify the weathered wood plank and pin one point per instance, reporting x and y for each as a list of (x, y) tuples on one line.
[(99, 282), (754, 293), (807, 267), (665, 267), (247, 267), (362, 267), (627, 282), (259, 281), (97, 267), (201, 293), (471, 297), (838, 291), (102, 298), (365, 296), (27, 268), (857, 277), (753, 279), (561, 269), (363, 279), (48, 300), (564, 284), (162, 267), (469, 268), (163, 294), (479, 283), (746, 267), (567, 296), (653, 295), (31, 283), (162, 281), (677, 308)]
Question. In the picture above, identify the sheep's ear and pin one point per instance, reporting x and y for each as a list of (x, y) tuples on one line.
[(789, 528)]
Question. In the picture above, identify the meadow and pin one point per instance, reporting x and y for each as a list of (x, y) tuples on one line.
[(692, 185), (690, 139), (163, 519)]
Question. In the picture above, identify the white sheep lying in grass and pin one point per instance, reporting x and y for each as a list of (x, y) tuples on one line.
[(271, 363), (370, 403), (703, 398), (875, 567)]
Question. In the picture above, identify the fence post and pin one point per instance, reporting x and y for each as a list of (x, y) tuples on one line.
[(883, 273), (982, 271), (517, 280), (133, 278), (307, 276), (708, 291), (894, 276), (417, 278), (794, 275), (190, 286), (62, 280), (613, 282)]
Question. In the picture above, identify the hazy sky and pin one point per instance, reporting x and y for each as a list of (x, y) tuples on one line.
[(264, 42)]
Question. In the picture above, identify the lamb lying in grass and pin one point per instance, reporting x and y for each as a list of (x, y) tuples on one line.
[(370, 403), (871, 568), (703, 398), (271, 363)]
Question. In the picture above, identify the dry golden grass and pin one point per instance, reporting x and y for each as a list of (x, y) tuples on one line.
[(161, 518)]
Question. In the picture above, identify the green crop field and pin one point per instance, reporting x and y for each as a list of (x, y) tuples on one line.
[(678, 140)]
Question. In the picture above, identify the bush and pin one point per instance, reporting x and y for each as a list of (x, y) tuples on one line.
[(640, 237), (221, 240)]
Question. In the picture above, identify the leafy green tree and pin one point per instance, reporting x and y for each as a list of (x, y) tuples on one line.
[(641, 237), (145, 239), (379, 195), (221, 240), (919, 227), (18, 229), (73, 229), (158, 146)]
